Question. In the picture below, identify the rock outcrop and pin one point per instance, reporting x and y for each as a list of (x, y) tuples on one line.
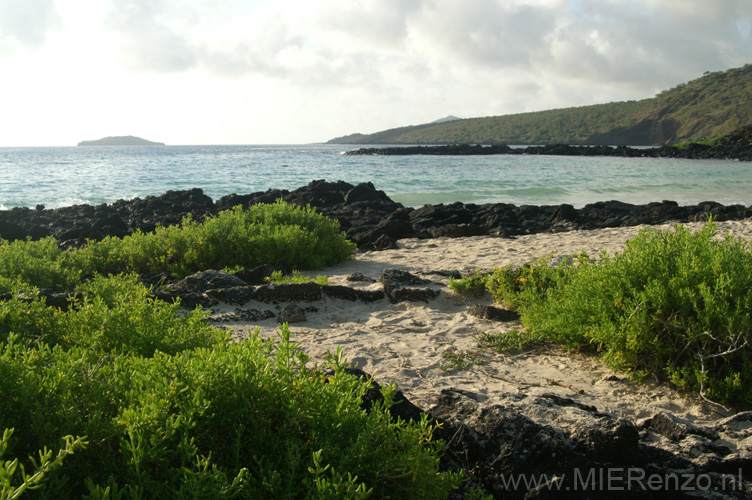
[(735, 146), (367, 215)]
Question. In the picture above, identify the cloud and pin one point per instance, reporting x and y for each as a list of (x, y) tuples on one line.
[(658, 41), (24, 25), (379, 62), (155, 35), (381, 43)]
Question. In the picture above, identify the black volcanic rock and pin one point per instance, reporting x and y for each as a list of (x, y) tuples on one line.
[(402, 286), (367, 215), (735, 146)]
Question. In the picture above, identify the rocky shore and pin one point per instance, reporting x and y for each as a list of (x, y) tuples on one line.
[(538, 424), (368, 216), (735, 146)]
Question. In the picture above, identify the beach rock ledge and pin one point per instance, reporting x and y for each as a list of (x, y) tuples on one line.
[(367, 215)]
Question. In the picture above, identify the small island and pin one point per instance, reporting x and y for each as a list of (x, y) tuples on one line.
[(127, 140)]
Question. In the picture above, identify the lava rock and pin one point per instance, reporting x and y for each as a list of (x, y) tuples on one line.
[(402, 286), (288, 292), (236, 295), (291, 313), (240, 315), (347, 293), (493, 313), (207, 280)]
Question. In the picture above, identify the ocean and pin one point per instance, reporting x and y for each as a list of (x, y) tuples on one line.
[(62, 176)]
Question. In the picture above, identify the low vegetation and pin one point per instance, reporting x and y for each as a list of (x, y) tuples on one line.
[(675, 305), (713, 105), (278, 277), (125, 397), (279, 234)]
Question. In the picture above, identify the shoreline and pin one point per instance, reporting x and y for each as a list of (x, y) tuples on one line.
[(367, 215), (734, 146), (542, 411)]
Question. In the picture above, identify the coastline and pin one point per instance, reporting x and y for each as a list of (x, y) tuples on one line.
[(367, 215), (542, 411), (734, 146)]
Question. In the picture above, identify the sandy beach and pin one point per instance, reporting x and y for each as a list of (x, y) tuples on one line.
[(405, 343)]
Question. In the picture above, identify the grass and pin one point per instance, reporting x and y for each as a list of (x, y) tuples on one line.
[(510, 341), (459, 361)]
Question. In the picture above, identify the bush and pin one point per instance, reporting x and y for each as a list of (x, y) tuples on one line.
[(278, 277), (470, 284), (163, 405), (675, 304), (279, 234), (39, 264), (111, 315), (245, 420)]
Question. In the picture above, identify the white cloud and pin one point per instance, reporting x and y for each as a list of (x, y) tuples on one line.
[(24, 25), (311, 69)]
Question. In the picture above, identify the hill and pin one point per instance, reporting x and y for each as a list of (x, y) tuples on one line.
[(127, 140), (713, 105)]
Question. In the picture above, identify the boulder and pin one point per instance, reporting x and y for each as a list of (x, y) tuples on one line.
[(258, 275), (11, 232), (288, 292), (291, 313), (493, 313), (402, 286), (206, 280), (347, 293), (236, 295), (241, 315)]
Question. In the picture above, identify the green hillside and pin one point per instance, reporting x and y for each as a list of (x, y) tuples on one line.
[(715, 104)]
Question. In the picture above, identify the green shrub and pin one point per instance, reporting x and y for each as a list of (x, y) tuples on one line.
[(473, 283), (278, 277), (279, 234), (675, 304), (518, 287), (27, 264), (45, 463), (111, 315), (167, 406), (235, 420)]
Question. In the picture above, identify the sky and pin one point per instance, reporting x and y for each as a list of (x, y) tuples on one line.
[(206, 72)]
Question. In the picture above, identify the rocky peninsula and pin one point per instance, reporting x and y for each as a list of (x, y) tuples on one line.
[(735, 146)]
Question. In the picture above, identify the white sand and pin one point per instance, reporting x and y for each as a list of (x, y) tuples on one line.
[(403, 343)]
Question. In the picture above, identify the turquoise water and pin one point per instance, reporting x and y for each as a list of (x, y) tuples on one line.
[(65, 176)]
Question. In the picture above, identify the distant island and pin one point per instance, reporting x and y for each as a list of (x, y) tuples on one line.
[(125, 140)]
